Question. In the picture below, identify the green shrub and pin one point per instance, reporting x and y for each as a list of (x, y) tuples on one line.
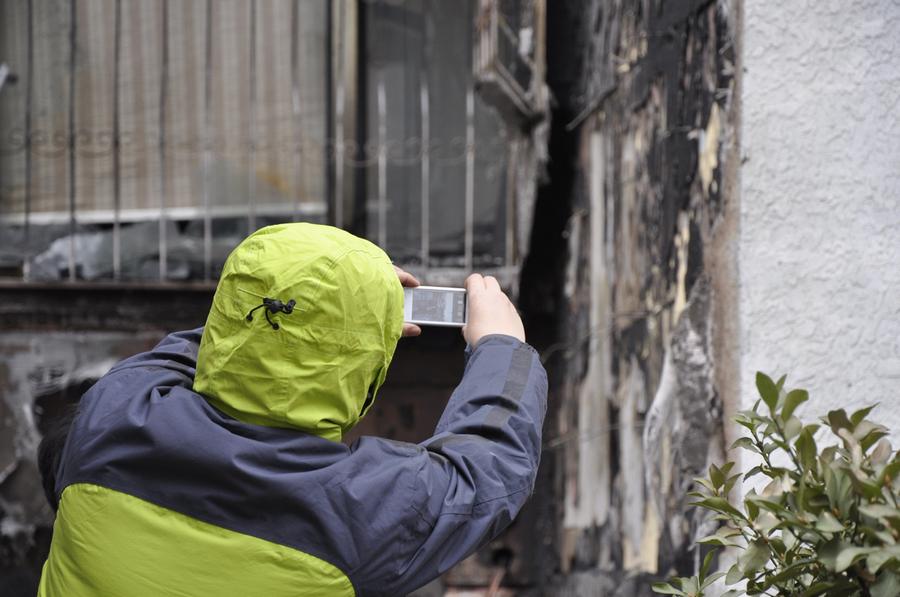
[(826, 523)]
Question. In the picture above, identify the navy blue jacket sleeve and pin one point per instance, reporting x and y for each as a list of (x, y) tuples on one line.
[(439, 501), (171, 363)]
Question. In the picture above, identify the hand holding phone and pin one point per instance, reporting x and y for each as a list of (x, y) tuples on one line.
[(481, 309), (489, 311)]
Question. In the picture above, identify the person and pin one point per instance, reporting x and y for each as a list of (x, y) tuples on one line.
[(213, 464)]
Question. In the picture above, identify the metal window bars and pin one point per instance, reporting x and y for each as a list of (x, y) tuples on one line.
[(340, 151)]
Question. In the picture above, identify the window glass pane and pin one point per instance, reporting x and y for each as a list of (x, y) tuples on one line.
[(491, 158), (430, 42), (394, 64), (449, 76)]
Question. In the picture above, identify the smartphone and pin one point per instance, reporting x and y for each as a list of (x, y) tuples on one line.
[(435, 305)]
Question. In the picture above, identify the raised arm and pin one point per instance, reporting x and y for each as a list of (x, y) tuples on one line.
[(439, 501)]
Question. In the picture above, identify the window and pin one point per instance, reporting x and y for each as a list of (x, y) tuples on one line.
[(439, 178), (143, 139)]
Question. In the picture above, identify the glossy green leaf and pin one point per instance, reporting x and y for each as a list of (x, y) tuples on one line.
[(857, 417), (792, 428), (879, 558), (828, 523), (719, 504), (806, 449), (837, 419), (730, 482), (879, 511), (745, 443), (709, 580), (752, 508), (795, 570), (819, 588), (767, 390), (829, 551), (734, 575), (838, 488), (887, 585), (794, 399), (705, 483), (754, 558), (718, 540), (848, 555), (745, 421), (871, 438), (753, 471), (665, 588), (882, 452), (869, 488), (890, 472), (779, 385), (707, 562), (716, 476)]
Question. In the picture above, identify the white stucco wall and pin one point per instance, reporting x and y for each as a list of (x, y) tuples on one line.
[(819, 250)]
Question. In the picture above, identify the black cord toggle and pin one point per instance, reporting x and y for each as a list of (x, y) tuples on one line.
[(273, 306)]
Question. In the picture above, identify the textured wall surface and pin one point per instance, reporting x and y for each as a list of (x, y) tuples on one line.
[(40, 374), (820, 202), (645, 122)]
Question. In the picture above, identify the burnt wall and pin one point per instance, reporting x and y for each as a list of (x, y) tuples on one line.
[(55, 341), (638, 236)]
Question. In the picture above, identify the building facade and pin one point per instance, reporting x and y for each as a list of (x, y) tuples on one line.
[(729, 175), (141, 141), (679, 193)]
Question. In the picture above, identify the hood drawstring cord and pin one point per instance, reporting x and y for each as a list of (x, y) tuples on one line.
[(273, 306)]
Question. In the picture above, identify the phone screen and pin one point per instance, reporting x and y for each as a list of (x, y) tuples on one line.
[(439, 305)]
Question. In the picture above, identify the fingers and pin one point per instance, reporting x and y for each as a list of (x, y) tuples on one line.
[(475, 284), (491, 284), (489, 311), (407, 280)]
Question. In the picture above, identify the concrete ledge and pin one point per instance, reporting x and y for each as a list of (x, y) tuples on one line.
[(103, 306)]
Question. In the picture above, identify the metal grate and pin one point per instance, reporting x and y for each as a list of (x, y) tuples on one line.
[(171, 129)]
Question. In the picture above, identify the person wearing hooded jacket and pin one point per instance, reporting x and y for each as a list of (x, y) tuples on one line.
[(212, 464)]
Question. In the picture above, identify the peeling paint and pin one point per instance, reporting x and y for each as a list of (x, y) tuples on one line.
[(708, 152), (651, 161), (682, 241), (650, 541)]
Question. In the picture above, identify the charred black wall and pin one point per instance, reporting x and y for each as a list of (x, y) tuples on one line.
[(631, 269)]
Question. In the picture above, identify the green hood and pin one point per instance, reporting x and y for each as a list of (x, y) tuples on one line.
[(320, 371)]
